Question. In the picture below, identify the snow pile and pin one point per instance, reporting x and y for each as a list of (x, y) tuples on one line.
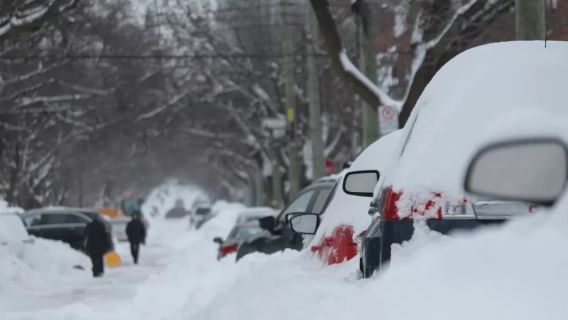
[(516, 272), (164, 197), (194, 275), (38, 264)]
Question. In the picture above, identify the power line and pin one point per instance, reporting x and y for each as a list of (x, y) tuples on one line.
[(151, 56)]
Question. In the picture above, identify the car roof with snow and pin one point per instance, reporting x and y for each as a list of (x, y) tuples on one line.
[(349, 209), (476, 95)]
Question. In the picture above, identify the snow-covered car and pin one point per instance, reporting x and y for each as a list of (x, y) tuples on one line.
[(344, 217), (255, 213), (479, 90), (12, 229), (178, 211), (312, 200), (246, 229), (63, 224), (200, 213)]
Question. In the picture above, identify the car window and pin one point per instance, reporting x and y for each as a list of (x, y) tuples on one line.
[(71, 218), (300, 204), (32, 220), (53, 218), (321, 200)]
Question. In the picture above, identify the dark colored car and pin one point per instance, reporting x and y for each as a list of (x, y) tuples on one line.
[(240, 233), (312, 199), (63, 224), (386, 229)]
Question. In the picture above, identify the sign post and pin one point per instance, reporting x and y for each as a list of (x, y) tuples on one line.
[(388, 120)]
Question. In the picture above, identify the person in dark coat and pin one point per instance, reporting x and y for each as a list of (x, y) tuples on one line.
[(136, 232), (97, 244)]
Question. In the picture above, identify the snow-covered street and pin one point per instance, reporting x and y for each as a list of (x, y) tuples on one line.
[(283, 160), (167, 277), (179, 277)]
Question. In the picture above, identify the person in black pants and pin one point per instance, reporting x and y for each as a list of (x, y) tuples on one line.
[(136, 232), (96, 245)]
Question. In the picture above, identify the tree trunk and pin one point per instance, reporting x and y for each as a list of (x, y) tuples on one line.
[(334, 47), (368, 64), (315, 101), (530, 19)]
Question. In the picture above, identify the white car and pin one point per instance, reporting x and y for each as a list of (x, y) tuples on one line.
[(345, 216)]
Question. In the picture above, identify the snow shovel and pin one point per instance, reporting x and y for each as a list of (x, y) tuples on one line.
[(112, 259)]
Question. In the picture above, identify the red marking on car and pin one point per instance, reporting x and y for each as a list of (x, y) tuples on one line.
[(229, 248), (338, 247)]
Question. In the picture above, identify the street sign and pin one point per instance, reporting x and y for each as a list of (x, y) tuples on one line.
[(388, 119), (329, 167)]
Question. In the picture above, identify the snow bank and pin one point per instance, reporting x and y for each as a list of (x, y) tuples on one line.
[(194, 275), (28, 264), (513, 272), (37, 265)]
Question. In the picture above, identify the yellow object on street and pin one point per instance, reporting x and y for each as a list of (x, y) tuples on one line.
[(111, 212), (112, 259)]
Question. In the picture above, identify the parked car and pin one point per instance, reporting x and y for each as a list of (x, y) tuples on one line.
[(246, 229), (178, 211), (337, 236), (63, 224), (312, 199), (452, 117), (12, 229), (200, 213)]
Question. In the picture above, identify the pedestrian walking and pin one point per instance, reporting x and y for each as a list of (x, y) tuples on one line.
[(97, 244), (136, 233)]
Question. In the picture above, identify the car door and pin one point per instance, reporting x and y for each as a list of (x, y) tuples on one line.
[(75, 224), (52, 226)]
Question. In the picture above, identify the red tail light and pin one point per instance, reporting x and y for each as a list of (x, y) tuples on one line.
[(390, 211), (230, 248)]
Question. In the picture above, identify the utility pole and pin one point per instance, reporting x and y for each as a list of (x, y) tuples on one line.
[(294, 172), (367, 64), (314, 96), (276, 185), (530, 19)]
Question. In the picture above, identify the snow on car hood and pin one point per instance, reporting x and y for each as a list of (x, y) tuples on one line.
[(352, 210), (456, 112)]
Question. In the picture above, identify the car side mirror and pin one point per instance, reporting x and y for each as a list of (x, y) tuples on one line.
[(218, 240), (304, 223), (361, 183), (267, 223), (533, 171)]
